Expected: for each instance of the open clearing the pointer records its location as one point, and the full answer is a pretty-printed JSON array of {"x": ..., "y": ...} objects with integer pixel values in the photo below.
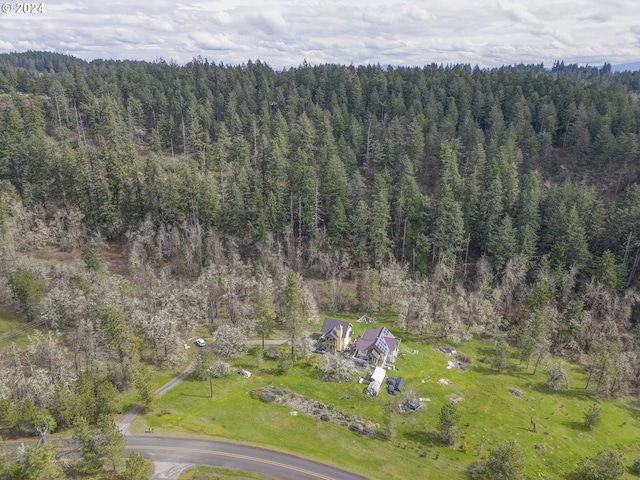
[{"x": 489, "y": 413}]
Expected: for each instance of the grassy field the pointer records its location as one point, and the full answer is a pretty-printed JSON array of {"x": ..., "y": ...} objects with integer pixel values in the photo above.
[
  {"x": 489, "y": 413},
  {"x": 13, "y": 328},
  {"x": 210, "y": 473}
]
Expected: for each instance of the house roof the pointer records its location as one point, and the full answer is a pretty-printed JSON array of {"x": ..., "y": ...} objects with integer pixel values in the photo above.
[
  {"x": 392, "y": 343},
  {"x": 380, "y": 338},
  {"x": 330, "y": 326},
  {"x": 364, "y": 344}
]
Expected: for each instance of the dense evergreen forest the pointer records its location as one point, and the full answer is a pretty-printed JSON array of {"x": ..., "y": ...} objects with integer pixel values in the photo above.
[
  {"x": 466, "y": 200},
  {"x": 421, "y": 165}
]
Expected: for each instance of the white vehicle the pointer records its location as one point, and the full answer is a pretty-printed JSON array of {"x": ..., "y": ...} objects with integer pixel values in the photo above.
[{"x": 200, "y": 342}]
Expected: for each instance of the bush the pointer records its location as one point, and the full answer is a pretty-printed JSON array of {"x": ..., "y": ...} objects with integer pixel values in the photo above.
[
  {"x": 557, "y": 378},
  {"x": 285, "y": 362},
  {"x": 607, "y": 465},
  {"x": 636, "y": 466},
  {"x": 202, "y": 362},
  {"x": 273, "y": 353},
  {"x": 506, "y": 460},
  {"x": 476, "y": 470},
  {"x": 221, "y": 369},
  {"x": 592, "y": 416}
]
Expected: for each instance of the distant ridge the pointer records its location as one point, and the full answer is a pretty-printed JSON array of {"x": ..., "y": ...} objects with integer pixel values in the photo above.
[
  {"x": 53, "y": 62},
  {"x": 626, "y": 67}
]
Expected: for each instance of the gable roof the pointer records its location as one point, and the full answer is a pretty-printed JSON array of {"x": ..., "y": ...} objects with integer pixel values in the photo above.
[
  {"x": 330, "y": 326},
  {"x": 380, "y": 338}
]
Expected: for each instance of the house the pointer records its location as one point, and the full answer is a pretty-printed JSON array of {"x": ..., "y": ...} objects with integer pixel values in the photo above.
[
  {"x": 377, "y": 378},
  {"x": 378, "y": 346},
  {"x": 335, "y": 335}
]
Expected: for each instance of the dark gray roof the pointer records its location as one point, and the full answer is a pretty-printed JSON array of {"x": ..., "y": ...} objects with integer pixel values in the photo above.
[
  {"x": 331, "y": 324},
  {"x": 381, "y": 338}
]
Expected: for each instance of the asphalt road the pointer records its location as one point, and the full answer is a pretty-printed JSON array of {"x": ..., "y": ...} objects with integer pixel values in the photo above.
[{"x": 187, "y": 451}]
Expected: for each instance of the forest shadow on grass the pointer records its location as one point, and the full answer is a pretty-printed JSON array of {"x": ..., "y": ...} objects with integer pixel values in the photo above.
[
  {"x": 485, "y": 369},
  {"x": 424, "y": 438},
  {"x": 485, "y": 352},
  {"x": 575, "y": 425},
  {"x": 569, "y": 393}
]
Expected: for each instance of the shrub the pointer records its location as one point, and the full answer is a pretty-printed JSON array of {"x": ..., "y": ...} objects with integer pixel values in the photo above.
[
  {"x": 221, "y": 369},
  {"x": 285, "y": 362},
  {"x": 273, "y": 353},
  {"x": 592, "y": 416},
  {"x": 202, "y": 362},
  {"x": 506, "y": 460},
  {"x": 607, "y": 465},
  {"x": 557, "y": 378},
  {"x": 476, "y": 470}
]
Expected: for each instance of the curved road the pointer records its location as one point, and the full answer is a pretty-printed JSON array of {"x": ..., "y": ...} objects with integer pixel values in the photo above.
[
  {"x": 170, "y": 454},
  {"x": 184, "y": 452}
]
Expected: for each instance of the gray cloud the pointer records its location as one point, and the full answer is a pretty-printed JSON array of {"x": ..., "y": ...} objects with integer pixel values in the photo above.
[
  {"x": 596, "y": 17},
  {"x": 284, "y": 32}
]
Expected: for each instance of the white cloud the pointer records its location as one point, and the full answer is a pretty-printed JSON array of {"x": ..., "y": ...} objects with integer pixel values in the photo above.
[
  {"x": 518, "y": 13},
  {"x": 284, "y": 32},
  {"x": 210, "y": 41},
  {"x": 269, "y": 22}
]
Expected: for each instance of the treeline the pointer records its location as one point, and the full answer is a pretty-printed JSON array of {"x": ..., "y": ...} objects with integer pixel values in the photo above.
[{"x": 416, "y": 164}]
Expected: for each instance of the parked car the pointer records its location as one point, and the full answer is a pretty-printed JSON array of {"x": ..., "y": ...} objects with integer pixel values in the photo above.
[{"x": 200, "y": 342}]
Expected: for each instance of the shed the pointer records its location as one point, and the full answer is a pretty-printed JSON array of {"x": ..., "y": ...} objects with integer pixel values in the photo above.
[
  {"x": 377, "y": 378},
  {"x": 373, "y": 388},
  {"x": 378, "y": 375}
]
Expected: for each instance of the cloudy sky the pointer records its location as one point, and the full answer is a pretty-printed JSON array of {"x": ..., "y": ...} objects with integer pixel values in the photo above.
[{"x": 283, "y": 33}]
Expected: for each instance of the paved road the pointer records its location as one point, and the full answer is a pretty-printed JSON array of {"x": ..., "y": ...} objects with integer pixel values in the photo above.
[
  {"x": 174, "y": 381},
  {"x": 184, "y": 452}
]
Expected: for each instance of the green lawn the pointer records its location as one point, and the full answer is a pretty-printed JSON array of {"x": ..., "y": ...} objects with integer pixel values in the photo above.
[
  {"x": 13, "y": 328},
  {"x": 210, "y": 473},
  {"x": 489, "y": 413}
]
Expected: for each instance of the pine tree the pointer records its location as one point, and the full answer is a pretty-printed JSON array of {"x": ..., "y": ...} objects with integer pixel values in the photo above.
[
  {"x": 379, "y": 220},
  {"x": 136, "y": 468},
  {"x": 448, "y": 423},
  {"x": 110, "y": 441},
  {"x": 447, "y": 222},
  {"x": 293, "y": 315},
  {"x": 265, "y": 315},
  {"x": 501, "y": 242},
  {"x": 505, "y": 462}
]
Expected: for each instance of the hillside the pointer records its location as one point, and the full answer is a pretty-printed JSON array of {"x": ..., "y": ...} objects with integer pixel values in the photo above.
[{"x": 143, "y": 204}]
